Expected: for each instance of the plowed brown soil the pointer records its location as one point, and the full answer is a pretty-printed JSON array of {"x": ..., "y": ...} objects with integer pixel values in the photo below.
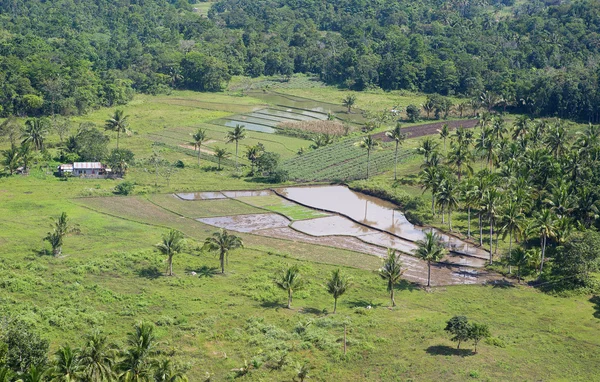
[{"x": 429, "y": 128}]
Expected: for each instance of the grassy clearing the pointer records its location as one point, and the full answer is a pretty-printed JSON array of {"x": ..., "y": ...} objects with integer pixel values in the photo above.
[{"x": 203, "y": 208}]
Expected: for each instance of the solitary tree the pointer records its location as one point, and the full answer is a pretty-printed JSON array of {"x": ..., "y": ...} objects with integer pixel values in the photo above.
[
  {"x": 398, "y": 136},
  {"x": 477, "y": 332},
  {"x": 220, "y": 154},
  {"x": 117, "y": 122},
  {"x": 391, "y": 272},
  {"x": 337, "y": 285},
  {"x": 458, "y": 327},
  {"x": 430, "y": 249},
  {"x": 222, "y": 242},
  {"x": 289, "y": 280},
  {"x": 199, "y": 138},
  {"x": 349, "y": 101},
  {"x": 172, "y": 244},
  {"x": 62, "y": 227},
  {"x": 368, "y": 143},
  {"x": 236, "y": 135},
  {"x": 520, "y": 258}
]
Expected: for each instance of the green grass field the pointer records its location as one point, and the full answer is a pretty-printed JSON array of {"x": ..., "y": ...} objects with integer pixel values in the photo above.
[{"x": 110, "y": 277}]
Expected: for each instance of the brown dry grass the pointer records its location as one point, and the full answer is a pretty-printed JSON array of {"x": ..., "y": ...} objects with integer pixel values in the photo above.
[{"x": 318, "y": 127}]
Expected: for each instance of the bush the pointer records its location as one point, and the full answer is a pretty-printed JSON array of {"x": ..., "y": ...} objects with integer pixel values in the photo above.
[
  {"x": 124, "y": 188},
  {"x": 179, "y": 164}
]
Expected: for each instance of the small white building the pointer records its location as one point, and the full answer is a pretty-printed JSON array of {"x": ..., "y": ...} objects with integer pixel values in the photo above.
[
  {"x": 65, "y": 169},
  {"x": 84, "y": 169}
]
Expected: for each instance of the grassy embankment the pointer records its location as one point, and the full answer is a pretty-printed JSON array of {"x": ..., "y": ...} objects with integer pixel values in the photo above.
[{"x": 110, "y": 277}]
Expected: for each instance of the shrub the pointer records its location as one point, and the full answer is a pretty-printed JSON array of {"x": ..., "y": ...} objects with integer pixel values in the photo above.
[{"x": 124, "y": 188}]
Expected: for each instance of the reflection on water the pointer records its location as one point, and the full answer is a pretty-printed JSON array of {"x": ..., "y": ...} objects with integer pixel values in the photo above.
[
  {"x": 200, "y": 195},
  {"x": 370, "y": 211},
  {"x": 251, "y": 126},
  {"x": 331, "y": 225}
]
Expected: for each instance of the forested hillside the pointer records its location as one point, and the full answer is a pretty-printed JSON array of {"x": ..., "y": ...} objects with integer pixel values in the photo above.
[{"x": 70, "y": 56}]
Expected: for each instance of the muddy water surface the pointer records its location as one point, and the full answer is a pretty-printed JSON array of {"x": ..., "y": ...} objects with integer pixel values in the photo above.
[{"x": 200, "y": 195}]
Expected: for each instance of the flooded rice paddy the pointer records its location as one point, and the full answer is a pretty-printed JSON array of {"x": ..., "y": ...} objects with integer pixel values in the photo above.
[{"x": 334, "y": 216}]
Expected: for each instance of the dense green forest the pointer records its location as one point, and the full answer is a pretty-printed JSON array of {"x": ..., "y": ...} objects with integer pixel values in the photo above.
[{"x": 538, "y": 57}]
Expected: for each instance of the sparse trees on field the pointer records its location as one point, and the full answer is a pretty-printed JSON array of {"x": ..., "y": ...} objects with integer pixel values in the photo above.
[
  {"x": 368, "y": 143},
  {"x": 391, "y": 272},
  {"x": 289, "y": 280},
  {"x": 349, "y": 101},
  {"x": 172, "y": 243},
  {"x": 543, "y": 224},
  {"x": 223, "y": 242},
  {"x": 199, "y": 138},
  {"x": 220, "y": 154},
  {"x": 236, "y": 135},
  {"x": 61, "y": 228},
  {"x": 118, "y": 122},
  {"x": 398, "y": 137},
  {"x": 337, "y": 284},
  {"x": 458, "y": 327}
]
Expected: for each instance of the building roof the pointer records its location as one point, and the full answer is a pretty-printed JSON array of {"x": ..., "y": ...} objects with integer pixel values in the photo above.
[
  {"x": 87, "y": 165},
  {"x": 66, "y": 167}
]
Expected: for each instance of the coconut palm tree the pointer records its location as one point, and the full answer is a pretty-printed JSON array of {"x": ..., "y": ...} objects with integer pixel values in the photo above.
[
  {"x": 165, "y": 372},
  {"x": 444, "y": 134},
  {"x": 117, "y": 122},
  {"x": 6, "y": 375},
  {"x": 430, "y": 179},
  {"x": 137, "y": 359},
  {"x": 236, "y": 135},
  {"x": 468, "y": 194},
  {"x": 289, "y": 280},
  {"x": 447, "y": 198},
  {"x": 67, "y": 365},
  {"x": 349, "y": 101},
  {"x": 544, "y": 224},
  {"x": 427, "y": 147},
  {"x": 368, "y": 143},
  {"x": 519, "y": 259},
  {"x": 172, "y": 244},
  {"x": 337, "y": 285},
  {"x": 520, "y": 127},
  {"x": 11, "y": 159},
  {"x": 199, "y": 138},
  {"x": 222, "y": 242},
  {"x": 35, "y": 132},
  {"x": 26, "y": 156},
  {"x": 220, "y": 154},
  {"x": 460, "y": 158},
  {"x": 512, "y": 221},
  {"x": 35, "y": 373},
  {"x": 391, "y": 272},
  {"x": 431, "y": 249},
  {"x": 398, "y": 137},
  {"x": 98, "y": 358},
  {"x": 491, "y": 203},
  {"x": 253, "y": 153},
  {"x": 61, "y": 228},
  {"x": 556, "y": 140}
]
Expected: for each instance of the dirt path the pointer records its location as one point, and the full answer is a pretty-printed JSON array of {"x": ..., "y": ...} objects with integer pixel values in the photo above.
[
  {"x": 202, "y": 149},
  {"x": 429, "y": 128}
]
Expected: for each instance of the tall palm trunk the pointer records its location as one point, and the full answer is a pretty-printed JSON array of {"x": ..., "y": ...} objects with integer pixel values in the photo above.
[
  {"x": 428, "y": 274},
  {"x": 222, "y": 259},
  {"x": 236, "y": 154},
  {"x": 480, "y": 230},
  {"x": 432, "y": 203},
  {"x": 289, "y": 305},
  {"x": 543, "y": 252},
  {"x": 509, "y": 252},
  {"x": 368, "y": 162},
  {"x": 334, "y": 305},
  {"x": 443, "y": 216},
  {"x": 469, "y": 222},
  {"x": 491, "y": 239},
  {"x": 199, "y": 147},
  {"x": 171, "y": 265},
  {"x": 118, "y": 133},
  {"x": 450, "y": 218},
  {"x": 392, "y": 297},
  {"x": 396, "y": 161}
]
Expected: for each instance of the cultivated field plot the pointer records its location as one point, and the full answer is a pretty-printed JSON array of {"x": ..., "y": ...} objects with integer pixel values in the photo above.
[{"x": 265, "y": 216}]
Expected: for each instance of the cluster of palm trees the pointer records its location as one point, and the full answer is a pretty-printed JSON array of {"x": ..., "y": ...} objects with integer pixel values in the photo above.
[
  {"x": 32, "y": 136},
  {"x": 536, "y": 180},
  {"x": 234, "y": 136},
  {"x": 100, "y": 360}
]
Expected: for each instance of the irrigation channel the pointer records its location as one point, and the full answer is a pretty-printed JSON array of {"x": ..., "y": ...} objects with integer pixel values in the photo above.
[{"x": 336, "y": 216}]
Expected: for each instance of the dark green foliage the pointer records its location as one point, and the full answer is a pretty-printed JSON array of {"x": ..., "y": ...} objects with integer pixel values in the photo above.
[
  {"x": 576, "y": 260},
  {"x": 124, "y": 188},
  {"x": 24, "y": 347},
  {"x": 413, "y": 112},
  {"x": 458, "y": 327},
  {"x": 89, "y": 143},
  {"x": 119, "y": 160}
]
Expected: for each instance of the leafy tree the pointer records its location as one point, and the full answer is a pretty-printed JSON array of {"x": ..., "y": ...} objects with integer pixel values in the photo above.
[
  {"x": 431, "y": 249},
  {"x": 204, "y": 73},
  {"x": 11, "y": 129},
  {"x": 119, "y": 160},
  {"x": 337, "y": 284},
  {"x": 398, "y": 137},
  {"x": 118, "y": 122},
  {"x": 368, "y": 143},
  {"x": 220, "y": 154},
  {"x": 544, "y": 224},
  {"x": 236, "y": 135},
  {"x": 89, "y": 143},
  {"x": 349, "y": 101},
  {"x": 172, "y": 243},
  {"x": 35, "y": 132},
  {"x": 253, "y": 153},
  {"x": 98, "y": 358},
  {"x": 61, "y": 228},
  {"x": 289, "y": 280},
  {"x": 199, "y": 137},
  {"x": 477, "y": 332},
  {"x": 24, "y": 347},
  {"x": 124, "y": 188},
  {"x": 458, "y": 327},
  {"x": 413, "y": 113},
  {"x": 576, "y": 260},
  {"x": 520, "y": 258},
  {"x": 35, "y": 373},
  {"x": 11, "y": 159},
  {"x": 223, "y": 242},
  {"x": 391, "y": 272}
]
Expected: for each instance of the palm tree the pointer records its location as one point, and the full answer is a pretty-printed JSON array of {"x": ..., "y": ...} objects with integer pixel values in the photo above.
[
  {"x": 137, "y": 359},
  {"x": 430, "y": 249},
  {"x": 556, "y": 140},
  {"x": 11, "y": 159},
  {"x": 35, "y": 131},
  {"x": 236, "y": 135},
  {"x": 520, "y": 127},
  {"x": 289, "y": 280},
  {"x": 117, "y": 122},
  {"x": 302, "y": 371},
  {"x": 337, "y": 285},
  {"x": 223, "y": 242},
  {"x": 368, "y": 143},
  {"x": 349, "y": 101},
  {"x": 98, "y": 358},
  {"x": 459, "y": 158},
  {"x": 220, "y": 154},
  {"x": 6, "y": 375},
  {"x": 519, "y": 259},
  {"x": 544, "y": 224},
  {"x": 444, "y": 134},
  {"x": 430, "y": 180},
  {"x": 468, "y": 193},
  {"x": 427, "y": 147},
  {"x": 398, "y": 136},
  {"x": 172, "y": 244},
  {"x": 62, "y": 227},
  {"x": 391, "y": 272},
  {"x": 165, "y": 372},
  {"x": 253, "y": 153},
  {"x": 489, "y": 100},
  {"x": 199, "y": 138},
  {"x": 447, "y": 198},
  {"x": 491, "y": 202},
  {"x": 26, "y": 156},
  {"x": 512, "y": 224},
  {"x": 67, "y": 365},
  {"x": 35, "y": 373}
]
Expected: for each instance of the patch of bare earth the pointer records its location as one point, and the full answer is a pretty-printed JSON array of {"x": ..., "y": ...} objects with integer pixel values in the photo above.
[{"x": 429, "y": 129}]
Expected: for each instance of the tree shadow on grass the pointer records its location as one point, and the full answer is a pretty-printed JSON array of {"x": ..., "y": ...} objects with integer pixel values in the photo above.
[
  {"x": 501, "y": 284},
  {"x": 364, "y": 304},
  {"x": 42, "y": 252},
  {"x": 596, "y": 301},
  {"x": 272, "y": 304},
  {"x": 448, "y": 350},
  {"x": 407, "y": 285},
  {"x": 309, "y": 310},
  {"x": 150, "y": 273},
  {"x": 205, "y": 271}
]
